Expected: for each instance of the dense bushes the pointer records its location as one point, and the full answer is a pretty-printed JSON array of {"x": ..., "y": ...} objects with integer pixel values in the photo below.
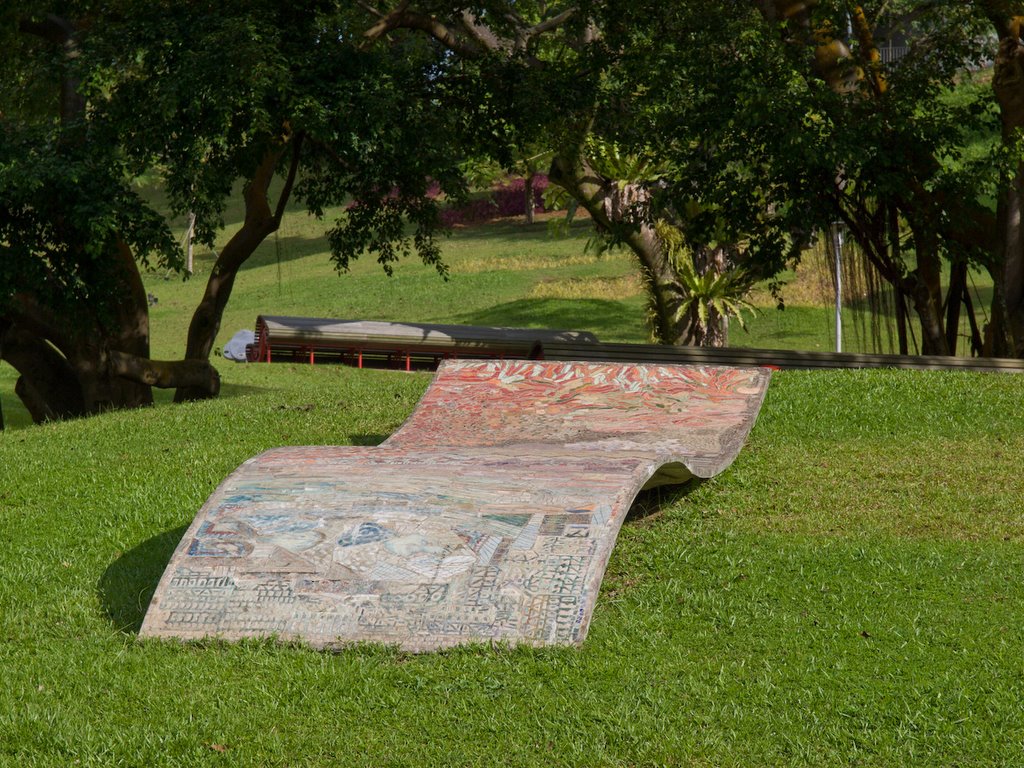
[{"x": 503, "y": 200}]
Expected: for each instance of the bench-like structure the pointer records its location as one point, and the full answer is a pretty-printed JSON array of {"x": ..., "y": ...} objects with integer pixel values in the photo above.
[
  {"x": 365, "y": 342},
  {"x": 424, "y": 345},
  {"x": 489, "y": 516},
  {"x": 782, "y": 359}
]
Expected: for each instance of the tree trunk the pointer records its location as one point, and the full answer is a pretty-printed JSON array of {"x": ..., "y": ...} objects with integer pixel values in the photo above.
[
  {"x": 93, "y": 380},
  {"x": 1004, "y": 335},
  {"x": 1008, "y": 85},
  {"x": 130, "y": 335},
  {"x": 715, "y": 333},
  {"x": 48, "y": 385},
  {"x": 259, "y": 223},
  {"x": 977, "y": 342},
  {"x": 954, "y": 301},
  {"x": 1010, "y": 278},
  {"x": 86, "y": 340},
  {"x": 609, "y": 204},
  {"x": 95, "y": 359},
  {"x": 166, "y": 374},
  {"x": 889, "y": 243},
  {"x": 61, "y": 32},
  {"x": 926, "y": 282},
  {"x": 901, "y": 322},
  {"x": 529, "y": 197},
  {"x": 929, "y": 312}
]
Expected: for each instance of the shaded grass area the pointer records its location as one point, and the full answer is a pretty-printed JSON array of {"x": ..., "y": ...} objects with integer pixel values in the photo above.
[{"x": 848, "y": 592}]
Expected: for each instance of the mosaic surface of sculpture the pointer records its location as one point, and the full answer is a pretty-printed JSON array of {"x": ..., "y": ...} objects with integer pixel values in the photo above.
[{"x": 490, "y": 515}]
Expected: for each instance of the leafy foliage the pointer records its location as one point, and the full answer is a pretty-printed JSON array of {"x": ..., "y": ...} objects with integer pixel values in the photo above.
[
  {"x": 720, "y": 292},
  {"x": 252, "y": 78},
  {"x": 63, "y": 206},
  {"x": 709, "y": 295},
  {"x": 219, "y": 98}
]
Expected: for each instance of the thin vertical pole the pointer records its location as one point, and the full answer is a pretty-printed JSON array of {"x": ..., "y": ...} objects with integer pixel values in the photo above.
[
  {"x": 838, "y": 244},
  {"x": 2, "y": 332},
  {"x": 189, "y": 236}
]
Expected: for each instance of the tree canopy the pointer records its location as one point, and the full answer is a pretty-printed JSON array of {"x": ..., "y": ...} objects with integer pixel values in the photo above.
[
  {"x": 208, "y": 95},
  {"x": 707, "y": 138},
  {"x": 746, "y": 126}
]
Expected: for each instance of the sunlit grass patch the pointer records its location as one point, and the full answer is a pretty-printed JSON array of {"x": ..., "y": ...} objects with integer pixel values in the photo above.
[
  {"x": 622, "y": 287},
  {"x": 518, "y": 262}
]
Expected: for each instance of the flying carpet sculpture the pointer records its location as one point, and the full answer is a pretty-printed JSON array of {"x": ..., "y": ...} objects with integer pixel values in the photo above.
[{"x": 490, "y": 515}]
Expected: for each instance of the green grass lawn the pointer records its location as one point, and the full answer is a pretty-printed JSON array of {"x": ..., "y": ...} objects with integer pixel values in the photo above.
[{"x": 848, "y": 592}]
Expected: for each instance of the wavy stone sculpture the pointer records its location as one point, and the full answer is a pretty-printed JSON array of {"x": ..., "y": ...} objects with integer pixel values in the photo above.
[{"x": 490, "y": 515}]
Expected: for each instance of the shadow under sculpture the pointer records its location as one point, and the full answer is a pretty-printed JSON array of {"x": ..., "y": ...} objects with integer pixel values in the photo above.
[{"x": 489, "y": 516}]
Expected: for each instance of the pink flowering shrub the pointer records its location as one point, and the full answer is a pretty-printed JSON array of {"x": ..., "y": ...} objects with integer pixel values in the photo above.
[{"x": 505, "y": 199}]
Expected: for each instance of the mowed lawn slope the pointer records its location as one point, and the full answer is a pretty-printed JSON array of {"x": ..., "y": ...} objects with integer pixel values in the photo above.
[{"x": 849, "y": 592}]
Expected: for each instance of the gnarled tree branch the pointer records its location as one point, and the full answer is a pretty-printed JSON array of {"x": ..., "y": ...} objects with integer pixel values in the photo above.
[
  {"x": 166, "y": 374},
  {"x": 259, "y": 223},
  {"x": 48, "y": 385},
  {"x": 29, "y": 314},
  {"x": 476, "y": 39},
  {"x": 401, "y": 18}
]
